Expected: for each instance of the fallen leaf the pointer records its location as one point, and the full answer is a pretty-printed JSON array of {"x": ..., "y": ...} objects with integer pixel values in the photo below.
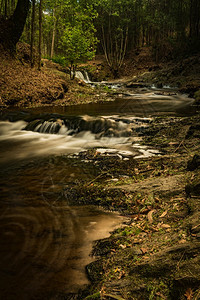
[
  {"x": 195, "y": 227},
  {"x": 164, "y": 214},
  {"x": 149, "y": 216},
  {"x": 144, "y": 250},
  {"x": 136, "y": 171},
  {"x": 182, "y": 241},
  {"x": 145, "y": 257},
  {"x": 165, "y": 226},
  {"x": 173, "y": 143},
  {"x": 117, "y": 270},
  {"x": 122, "y": 246},
  {"x": 189, "y": 294}
]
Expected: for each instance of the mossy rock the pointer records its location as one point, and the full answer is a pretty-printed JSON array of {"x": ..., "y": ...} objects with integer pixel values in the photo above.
[
  {"x": 95, "y": 271},
  {"x": 197, "y": 97}
]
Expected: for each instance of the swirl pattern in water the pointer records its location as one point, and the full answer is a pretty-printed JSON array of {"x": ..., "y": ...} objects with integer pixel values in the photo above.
[{"x": 44, "y": 243}]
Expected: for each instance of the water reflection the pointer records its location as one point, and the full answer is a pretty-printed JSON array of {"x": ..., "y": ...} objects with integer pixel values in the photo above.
[
  {"x": 145, "y": 103},
  {"x": 44, "y": 242}
]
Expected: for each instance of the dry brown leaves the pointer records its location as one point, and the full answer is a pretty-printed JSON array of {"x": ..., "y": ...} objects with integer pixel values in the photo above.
[{"x": 19, "y": 82}]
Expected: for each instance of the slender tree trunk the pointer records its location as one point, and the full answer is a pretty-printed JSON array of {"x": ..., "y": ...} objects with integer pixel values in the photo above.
[
  {"x": 1, "y": 6},
  {"x": 194, "y": 18},
  {"x": 54, "y": 33},
  {"x": 32, "y": 32},
  {"x": 5, "y": 9},
  {"x": 12, "y": 6},
  {"x": 40, "y": 36}
]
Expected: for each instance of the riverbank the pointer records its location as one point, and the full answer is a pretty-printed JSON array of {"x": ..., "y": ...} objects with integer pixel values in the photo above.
[
  {"x": 155, "y": 256},
  {"x": 23, "y": 86},
  {"x": 140, "y": 67}
]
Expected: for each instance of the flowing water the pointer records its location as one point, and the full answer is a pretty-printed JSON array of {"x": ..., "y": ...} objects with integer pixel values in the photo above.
[{"x": 45, "y": 242}]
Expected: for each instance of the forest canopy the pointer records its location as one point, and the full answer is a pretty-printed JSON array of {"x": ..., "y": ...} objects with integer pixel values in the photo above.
[{"x": 71, "y": 28}]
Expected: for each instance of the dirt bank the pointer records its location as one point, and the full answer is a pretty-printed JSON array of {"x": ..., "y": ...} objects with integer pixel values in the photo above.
[{"x": 23, "y": 86}]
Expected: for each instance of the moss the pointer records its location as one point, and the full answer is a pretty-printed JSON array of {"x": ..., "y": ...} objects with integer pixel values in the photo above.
[
  {"x": 157, "y": 290},
  {"x": 197, "y": 97},
  {"x": 94, "y": 296}
]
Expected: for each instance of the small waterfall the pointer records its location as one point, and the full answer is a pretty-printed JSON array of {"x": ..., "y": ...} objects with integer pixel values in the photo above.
[
  {"x": 60, "y": 134},
  {"x": 86, "y": 76},
  {"x": 52, "y": 126},
  {"x": 100, "y": 127},
  {"x": 83, "y": 76}
]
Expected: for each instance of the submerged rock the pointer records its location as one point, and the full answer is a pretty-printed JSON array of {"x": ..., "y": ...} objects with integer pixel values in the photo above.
[{"x": 194, "y": 163}]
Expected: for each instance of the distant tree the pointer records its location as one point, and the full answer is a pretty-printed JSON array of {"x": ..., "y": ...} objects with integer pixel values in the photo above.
[
  {"x": 53, "y": 34},
  {"x": 32, "y": 32},
  {"x": 115, "y": 18},
  {"x": 78, "y": 46},
  {"x": 194, "y": 18},
  {"x": 40, "y": 35},
  {"x": 77, "y": 40},
  {"x": 11, "y": 28}
]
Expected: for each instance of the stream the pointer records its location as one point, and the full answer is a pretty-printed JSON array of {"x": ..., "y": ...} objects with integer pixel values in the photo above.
[{"x": 45, "y": 243}]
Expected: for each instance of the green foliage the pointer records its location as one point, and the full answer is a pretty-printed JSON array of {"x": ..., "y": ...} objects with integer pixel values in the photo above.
[
  {"x": 71, "y": 28},
  {"x": 158, "y": 290},
  {"x": 60, "y": 60},
  {"x": 94, "y": 296},
  {"x": 77, "y": 44},
  {"x": 75, "y": 40}
]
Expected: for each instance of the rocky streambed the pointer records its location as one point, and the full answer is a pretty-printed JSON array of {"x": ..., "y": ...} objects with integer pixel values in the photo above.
[{"x": 156, "y": 255}]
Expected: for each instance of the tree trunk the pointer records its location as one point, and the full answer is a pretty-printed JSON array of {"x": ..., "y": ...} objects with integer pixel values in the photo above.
[
  {"x": 32, "y": 32},
  {"x": 5, "y": 9},
  {"x": 194, "y": 18},
  {"x": 40, "y": 36},
  {"x": 54, "y": 33},
  {"x": 12, "y": 28}
]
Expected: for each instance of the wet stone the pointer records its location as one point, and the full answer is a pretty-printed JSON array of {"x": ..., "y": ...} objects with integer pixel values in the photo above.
[{"x": 194, "y": 163}]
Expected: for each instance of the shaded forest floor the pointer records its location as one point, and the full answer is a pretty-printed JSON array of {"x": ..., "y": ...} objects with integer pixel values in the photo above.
[{"x": 23, "y": 86}]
